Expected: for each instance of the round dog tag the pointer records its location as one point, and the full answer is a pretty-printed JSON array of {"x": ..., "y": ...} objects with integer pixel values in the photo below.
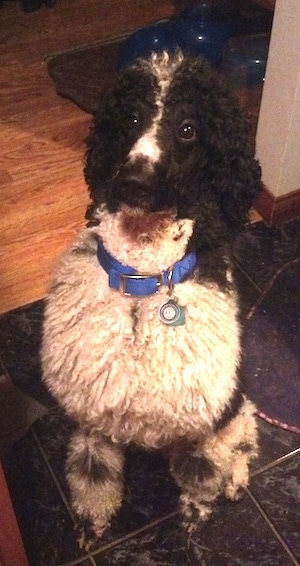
[{"x": 169, "y": 312}]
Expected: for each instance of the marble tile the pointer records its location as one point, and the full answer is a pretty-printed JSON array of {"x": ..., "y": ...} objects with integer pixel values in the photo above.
[
  {"x": 262, "y": 250},
  {"x": 237, "y": 535},
  {"x": 240, "y": 535},
  {"x": 142, "y": 533},
  {"x": 149, "y": 494},
  {"x": 53, "y": 432},
  {"x": 278, "y": 493},
  {"x": 274, "y": 443},
  {"x": 247, "y": 289},
  {"x": 20, "y": 339},
  {"x": 46, "y": 526},
  {"x": 229, "y": 538},
  {"x": 272, "y": 349},
  {"x": 84, "y": 562}
]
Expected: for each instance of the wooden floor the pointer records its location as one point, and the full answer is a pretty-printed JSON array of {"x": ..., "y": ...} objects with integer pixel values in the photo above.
[{"x": 42, "y": 193}]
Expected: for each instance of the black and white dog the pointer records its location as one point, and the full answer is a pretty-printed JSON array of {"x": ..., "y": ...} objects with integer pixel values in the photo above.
[{"x": 142, "y": 334}]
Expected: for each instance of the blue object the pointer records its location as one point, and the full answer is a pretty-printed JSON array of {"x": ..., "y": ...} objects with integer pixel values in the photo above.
[
  {"x": 128, "y": 281},
  {"x": 155, "y": 38},
  {"x": 245, "y": 60},
  {"x": 200, "y": 30},
  {"x": 200, "y": 33}
]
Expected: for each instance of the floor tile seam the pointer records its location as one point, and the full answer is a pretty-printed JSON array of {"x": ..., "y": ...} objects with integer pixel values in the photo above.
[
  {"x": 274, "y": 463},
  {"x": 53, "y": 476},
  {"x": 86, "y": 556},
  {"x": 78, "y": 561},
  {"x": 249, "y": 277},
  {"x": 136, "y": 532},
  {"x": 89, "y": 555},
  {"x": 272, "y": 527}
]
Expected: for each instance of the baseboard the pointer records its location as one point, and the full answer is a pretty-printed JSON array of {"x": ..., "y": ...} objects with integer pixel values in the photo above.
[{"x": 277, "y": 210}]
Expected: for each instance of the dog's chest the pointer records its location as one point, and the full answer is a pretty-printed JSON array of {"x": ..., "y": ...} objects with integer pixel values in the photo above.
[
  {"x": 144, "y": 371},
  {"x": 113, "y": 363}
]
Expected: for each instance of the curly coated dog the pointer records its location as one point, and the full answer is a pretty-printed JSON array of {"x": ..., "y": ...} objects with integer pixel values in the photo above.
[{"x": 142, "y": 330}]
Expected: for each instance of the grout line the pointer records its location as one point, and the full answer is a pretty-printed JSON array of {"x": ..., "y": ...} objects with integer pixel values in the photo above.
[
  {"x": 87, "y": 555},
  {"x": 135, "y": 533},
  {"x": 90, "y": 554},
  {"x": 53, "y": 476},
  {"x": 246, "y": 274},
  {"x": 79, "y": 561},
  {"x": 275, "y": 463},
  {"x": 273, "y": 528}
]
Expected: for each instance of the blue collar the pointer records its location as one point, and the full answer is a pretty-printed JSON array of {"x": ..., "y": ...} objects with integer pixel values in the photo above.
[{"x": 129, "y": 282}]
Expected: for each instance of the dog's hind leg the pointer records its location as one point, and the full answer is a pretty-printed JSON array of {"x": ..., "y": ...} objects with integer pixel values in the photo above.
[
  {"x": 215, "y": 465},
  {"x": 94, "y": 471}
]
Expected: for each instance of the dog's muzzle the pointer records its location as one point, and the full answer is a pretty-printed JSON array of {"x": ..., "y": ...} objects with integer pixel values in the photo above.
[{"x": 136, "y": 183}]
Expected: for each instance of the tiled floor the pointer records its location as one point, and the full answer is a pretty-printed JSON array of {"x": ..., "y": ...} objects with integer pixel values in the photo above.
[{"x": 262, "y": 529}]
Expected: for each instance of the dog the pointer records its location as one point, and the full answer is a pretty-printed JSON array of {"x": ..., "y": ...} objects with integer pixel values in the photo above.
[{"x": 142, "y": 332}]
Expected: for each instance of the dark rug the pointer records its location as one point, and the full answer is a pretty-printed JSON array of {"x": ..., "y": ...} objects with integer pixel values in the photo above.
[
  {"x": 81, "y": 75},
  {"x": 272, "y": 350}
]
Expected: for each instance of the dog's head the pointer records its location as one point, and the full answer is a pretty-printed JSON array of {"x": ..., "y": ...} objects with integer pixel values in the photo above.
[{"x": 170, "y": 135}]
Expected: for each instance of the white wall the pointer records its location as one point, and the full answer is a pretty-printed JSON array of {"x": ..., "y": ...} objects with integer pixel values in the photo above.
[{"x": 278, "y": 132}]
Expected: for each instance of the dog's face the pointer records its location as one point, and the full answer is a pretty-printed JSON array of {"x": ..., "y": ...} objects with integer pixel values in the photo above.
[{"x": 169, "y": 135}]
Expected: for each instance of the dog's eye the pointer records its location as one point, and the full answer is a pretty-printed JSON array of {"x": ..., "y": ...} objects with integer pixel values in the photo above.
[
  {"x": 134, "y": 120},
  {"x": 187, "y": 131},
  {"x": 131, "y": 123}
]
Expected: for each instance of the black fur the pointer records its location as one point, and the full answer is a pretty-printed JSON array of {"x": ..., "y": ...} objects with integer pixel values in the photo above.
[
  {"x": 231, "y": 411},
  {"x": 207, "y": 170},
  {"x": 90, "y": 467},
  {"x": 188, "y": 467}
]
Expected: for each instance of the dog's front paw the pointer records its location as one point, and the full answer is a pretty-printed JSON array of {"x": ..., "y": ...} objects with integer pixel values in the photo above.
[
  {"x": 236, "y": 486},
  {"x": 201, "y": 484},
  {"x": 89, "y": 532},
  {"x": 195, "y": 513},
  {"x": 234, "y": 492}
]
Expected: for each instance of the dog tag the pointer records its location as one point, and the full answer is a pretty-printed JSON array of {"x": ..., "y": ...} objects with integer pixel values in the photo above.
[{"x": 172, "y": 314}]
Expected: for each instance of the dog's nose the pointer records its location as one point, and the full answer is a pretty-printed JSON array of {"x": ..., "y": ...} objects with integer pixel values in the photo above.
[
  {"x": 135, "y": 176},
  {"x": 134, "y": 182},
  {"x": 137, "y": 184}
]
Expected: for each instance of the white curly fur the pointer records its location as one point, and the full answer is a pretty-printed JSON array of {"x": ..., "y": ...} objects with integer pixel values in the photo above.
[{"x": 172, "y": 380}]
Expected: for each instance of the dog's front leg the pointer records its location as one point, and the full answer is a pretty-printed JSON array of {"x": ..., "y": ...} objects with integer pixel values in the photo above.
[
  {"x": 94, "y": 471},
  {"x": 218, "y": 463},
  {"x": 200, "y": 483}
]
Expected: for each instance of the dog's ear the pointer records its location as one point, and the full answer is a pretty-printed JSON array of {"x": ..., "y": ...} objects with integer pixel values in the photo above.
[
  {"x": 240, "y": 188},
  {"x": 236, "y": 173},
  {"x": 97, "y": 162}
]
